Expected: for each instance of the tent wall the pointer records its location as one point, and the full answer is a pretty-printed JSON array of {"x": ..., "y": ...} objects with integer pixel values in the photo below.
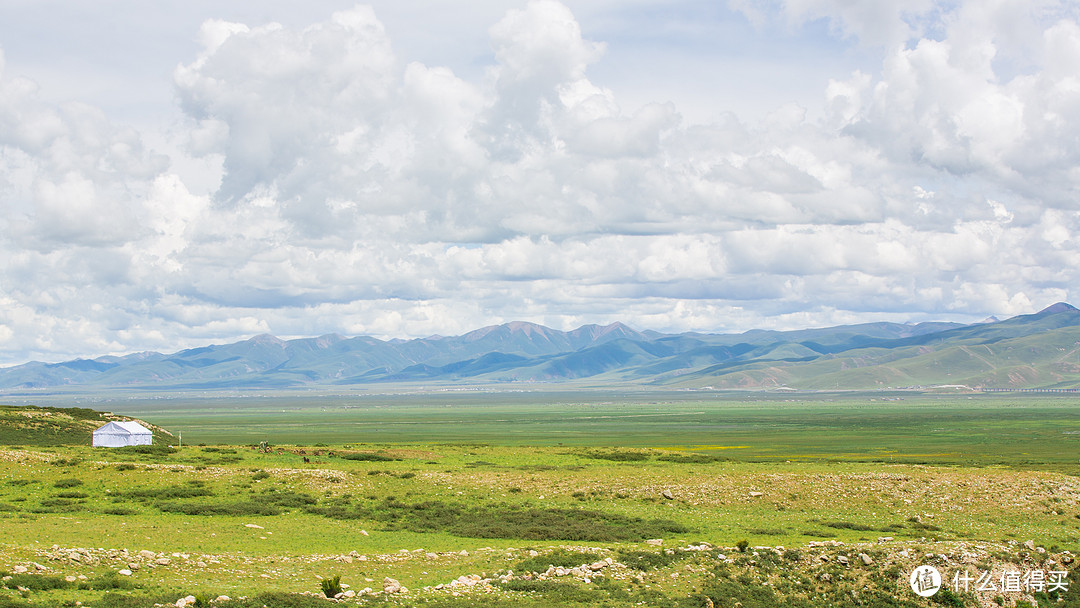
[{"x": 113, "y": 435}]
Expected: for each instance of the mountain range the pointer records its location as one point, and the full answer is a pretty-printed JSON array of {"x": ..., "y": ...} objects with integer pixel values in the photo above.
[{"x": 1040, "y": 350}]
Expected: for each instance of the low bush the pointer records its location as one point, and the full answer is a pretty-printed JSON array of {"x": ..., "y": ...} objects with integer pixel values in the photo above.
[
  {"x": 331, "y": 586},
  {"x": 649, "y": 560},
  {"x": 693, "y": 458},
  {"x": 554, "y": 592},
  {"x": 367, "y": 457},
  {"x": 503, "y": 521},
  {"x": 67, "y": 483},
  {"x": 617, "y": 456},
  {"x": 167, "y": 493},
  {"x": 37, "y": 582}
]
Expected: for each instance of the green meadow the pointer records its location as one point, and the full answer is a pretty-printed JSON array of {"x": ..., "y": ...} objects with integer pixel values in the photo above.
[
  {"x": 1020, "y": 429},
  {"x": 466, "y": 498}
]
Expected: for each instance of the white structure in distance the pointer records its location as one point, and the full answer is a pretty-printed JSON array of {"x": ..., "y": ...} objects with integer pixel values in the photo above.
[{"x": 120, "y": 434}]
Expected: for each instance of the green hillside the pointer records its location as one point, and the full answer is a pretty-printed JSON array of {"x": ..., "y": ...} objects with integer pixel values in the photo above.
[
  {"x": 1047, "y": 358},
  {"x": 31, "y": 425}
]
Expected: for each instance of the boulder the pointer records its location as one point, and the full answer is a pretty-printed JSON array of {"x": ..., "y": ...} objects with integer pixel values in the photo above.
[
  {"x": 391, "y": 586},
  {"x": 866, "y": 559}
]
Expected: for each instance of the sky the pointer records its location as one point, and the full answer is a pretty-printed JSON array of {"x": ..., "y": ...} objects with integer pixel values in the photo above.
[{"x": 179, "y": 173}]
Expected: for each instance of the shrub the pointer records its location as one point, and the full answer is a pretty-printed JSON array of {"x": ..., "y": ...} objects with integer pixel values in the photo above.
[
  {"x": 167, "y": 493},
  {"x": 504, "y": 521},
  {"x": 38, "y": 582},
  {"x": 67, "y": 483},
  {"x": 331, "y": 586},
  {"x": 617, "y": 456},
  {"x": 648, "y": 560},
  {"x": 693, "y": 458},
  {"x": 742, "y": 545},
  {"x": 367, "y": 457},
  {"x": 108, "y": 581},
  {"x": 847, "y": 525}
]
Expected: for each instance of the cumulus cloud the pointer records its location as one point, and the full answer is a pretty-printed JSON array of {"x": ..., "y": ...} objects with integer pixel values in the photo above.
[{"x": 363, "y": 192}]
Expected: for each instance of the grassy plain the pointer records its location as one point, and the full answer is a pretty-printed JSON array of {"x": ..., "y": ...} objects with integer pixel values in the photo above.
[
  {"x": 517, "y": 481},
  {"x": 1018, "y": 429}
]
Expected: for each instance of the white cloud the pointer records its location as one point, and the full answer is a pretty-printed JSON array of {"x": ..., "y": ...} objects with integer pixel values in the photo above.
[{"x": 364, "y": 191}]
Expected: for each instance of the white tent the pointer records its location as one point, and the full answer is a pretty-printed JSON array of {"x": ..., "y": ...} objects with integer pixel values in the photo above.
[{"x": 119, "y": 434}]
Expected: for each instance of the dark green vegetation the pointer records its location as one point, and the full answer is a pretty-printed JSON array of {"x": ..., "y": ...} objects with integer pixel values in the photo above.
[
  {"x": 504, "y": 521},
  {"x": 1028, "y": 351}
]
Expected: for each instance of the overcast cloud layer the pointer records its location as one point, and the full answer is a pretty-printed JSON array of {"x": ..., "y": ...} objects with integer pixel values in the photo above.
[{"x": 314, "y": 175}]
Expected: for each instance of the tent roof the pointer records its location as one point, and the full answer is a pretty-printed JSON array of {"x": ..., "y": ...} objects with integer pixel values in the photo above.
[{"x": 132, "y": 428}]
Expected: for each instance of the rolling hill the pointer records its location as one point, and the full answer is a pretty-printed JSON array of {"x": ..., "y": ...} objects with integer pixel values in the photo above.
[{"x": 1040, "y": 350}]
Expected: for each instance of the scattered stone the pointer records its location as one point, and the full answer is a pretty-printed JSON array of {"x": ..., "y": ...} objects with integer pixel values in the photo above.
[
  {"x": 391, "y": 586},
  {"x": 39, "y": 567},
  {"x": 756, "y": 494},
  {"x": 124, "y": 572},
  {"x": 256, "y": 526},
  {"x": 162, "y": 561},
  {"x": 349, "y": 593},
  {"x": 1029, "y": 545},
  {"x": 364, "y": 532},
  {"x": 884, "y": 539},
  {"x": 823, "y": 557},
  {"x": 656, "y": 542},
  {"x": 19, "y": 569},
  {"x": 71, "y": 578},
  {"x": 75, "y": 556},
  {"x": 147, "y": 554},
  {"x": 222, "y": 598},
  {"x": 668, "y": 495},
  {"x": 842, "y": 560},
  {"x": 185, "y": 601},
  {"x": 866, "y": 559}
]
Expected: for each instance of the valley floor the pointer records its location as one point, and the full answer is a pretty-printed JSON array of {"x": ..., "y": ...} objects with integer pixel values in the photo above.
[{"x": 476, "y": 525}]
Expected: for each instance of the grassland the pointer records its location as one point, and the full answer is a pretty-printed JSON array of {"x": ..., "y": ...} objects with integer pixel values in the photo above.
[{"x": 797, "y": 481}]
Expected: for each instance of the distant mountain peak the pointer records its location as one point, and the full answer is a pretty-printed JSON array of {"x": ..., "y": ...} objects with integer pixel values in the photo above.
[
  {"x": 990, "y": 319},
  {"x": 266, "y": 339},
  {"x": 1059, "y": 307}
]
